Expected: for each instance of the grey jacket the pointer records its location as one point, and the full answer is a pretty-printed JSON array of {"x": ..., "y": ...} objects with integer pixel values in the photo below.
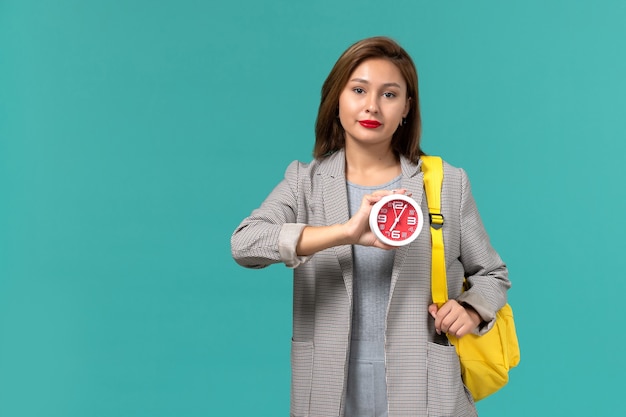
[{"x": 423, "y": 377}]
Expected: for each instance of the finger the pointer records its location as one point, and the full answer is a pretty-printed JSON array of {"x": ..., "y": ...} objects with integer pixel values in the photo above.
[
  {"x": 432, "y": 309},
  {"x": 448, "y": 322},
  {"x": 462, "y": 330},
  {"x": 372, "y": 198},
  {"x": 369, "y": 200},
  {"x": 389, "y": 192},
  {"x": 463, "y": 325},
  {"x": 382, "y": 245},
  {"x": 440, "y": 314},
  {"x": 403, "y": 191},
  {"x": 456, "y": 328},
  {"x": 439, "y": 319}
]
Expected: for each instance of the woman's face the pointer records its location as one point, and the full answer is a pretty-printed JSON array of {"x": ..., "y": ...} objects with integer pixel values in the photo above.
[{"x": 373, "y": 103}]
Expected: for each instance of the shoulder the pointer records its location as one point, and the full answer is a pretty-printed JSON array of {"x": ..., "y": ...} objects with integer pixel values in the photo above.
[
  {"x": 456, "y": 185},
  {"x": 452, "y": 172},
  {"x": 298, "y": 170},
  {"x": 332, "y": 165}
]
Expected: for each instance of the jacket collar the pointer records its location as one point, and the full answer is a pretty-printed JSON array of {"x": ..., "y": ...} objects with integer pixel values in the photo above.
[{"x": 334, "y": 165}]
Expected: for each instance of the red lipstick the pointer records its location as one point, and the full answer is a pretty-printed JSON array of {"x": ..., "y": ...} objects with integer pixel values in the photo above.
[{"x": 370, "y": 124}]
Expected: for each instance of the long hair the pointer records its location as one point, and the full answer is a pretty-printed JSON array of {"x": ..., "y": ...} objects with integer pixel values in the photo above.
[{"x": 329, "y": 134}]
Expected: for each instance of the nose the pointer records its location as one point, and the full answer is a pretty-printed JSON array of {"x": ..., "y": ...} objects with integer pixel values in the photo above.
[{"x": 372, "y": 105}]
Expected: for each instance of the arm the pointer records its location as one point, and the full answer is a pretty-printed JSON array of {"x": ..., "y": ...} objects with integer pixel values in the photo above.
[
  {"x": 355, "y": 232},
  {"x": 263, "y": 238},
  {"x": 273, "y": 233},
  {"x": 486, "y": 273},
  {"x": 487, "y": 276}
]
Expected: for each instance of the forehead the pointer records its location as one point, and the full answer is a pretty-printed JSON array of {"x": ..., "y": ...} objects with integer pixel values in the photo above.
[{"x": 378, "y": 71}]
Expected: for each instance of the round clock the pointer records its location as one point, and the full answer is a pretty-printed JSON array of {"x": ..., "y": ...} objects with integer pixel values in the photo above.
[{"x": 396, "y": 220}]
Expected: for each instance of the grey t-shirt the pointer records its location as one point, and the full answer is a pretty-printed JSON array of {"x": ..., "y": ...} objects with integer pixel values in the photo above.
[{"x": 366, "y": 394}]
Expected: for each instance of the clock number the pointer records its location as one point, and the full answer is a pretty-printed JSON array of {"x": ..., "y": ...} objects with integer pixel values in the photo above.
[
  {"x": 382, "y": 218},
  {"x": 398, "y": 204},
  {"x": 411, "y": 221},
  {"x": 395, "y": 234}
]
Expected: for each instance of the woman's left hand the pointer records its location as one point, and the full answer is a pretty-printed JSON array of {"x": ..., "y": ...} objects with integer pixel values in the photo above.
[{"x": 455, "y": 319}]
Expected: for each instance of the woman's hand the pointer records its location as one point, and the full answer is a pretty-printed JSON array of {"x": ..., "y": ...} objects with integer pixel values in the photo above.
[
  {"x": 455, "y": 319},
  {"x": 358, "y": 227}
]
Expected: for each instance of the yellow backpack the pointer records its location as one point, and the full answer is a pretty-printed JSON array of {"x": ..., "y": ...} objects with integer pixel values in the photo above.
[{"x": 485, "y": 360}]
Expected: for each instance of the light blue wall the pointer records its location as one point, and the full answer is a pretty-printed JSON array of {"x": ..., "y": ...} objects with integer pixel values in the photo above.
[{"x": 124, "y": 126}]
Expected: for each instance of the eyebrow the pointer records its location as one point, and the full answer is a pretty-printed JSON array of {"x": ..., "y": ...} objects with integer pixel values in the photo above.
[{"x": 361, "y": 80}]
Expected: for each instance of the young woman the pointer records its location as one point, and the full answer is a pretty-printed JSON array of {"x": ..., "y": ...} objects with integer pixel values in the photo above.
[{"x": 367, "y": 339}]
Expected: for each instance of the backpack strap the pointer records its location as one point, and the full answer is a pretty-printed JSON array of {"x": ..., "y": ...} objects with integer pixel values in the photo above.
[{"x": 432, "y": 167}]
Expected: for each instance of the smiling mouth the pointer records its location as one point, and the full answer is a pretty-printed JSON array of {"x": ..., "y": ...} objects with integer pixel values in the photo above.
[{"x": 370, "y": 124}]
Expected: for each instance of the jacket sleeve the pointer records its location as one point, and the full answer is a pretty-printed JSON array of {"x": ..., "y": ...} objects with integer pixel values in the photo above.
[
  {"x": 485, "y": 272},
  {"x": 271, "y": 232}
]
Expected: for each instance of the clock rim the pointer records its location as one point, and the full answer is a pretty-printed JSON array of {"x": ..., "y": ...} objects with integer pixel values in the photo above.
[{"x": 374, "y": 223}]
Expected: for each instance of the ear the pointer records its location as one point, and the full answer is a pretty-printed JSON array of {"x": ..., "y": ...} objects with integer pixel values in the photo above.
[{"x": 407, "y": 107}]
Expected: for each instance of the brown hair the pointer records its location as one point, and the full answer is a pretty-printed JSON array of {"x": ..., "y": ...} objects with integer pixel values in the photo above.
[{"x": 329, "y": 134}]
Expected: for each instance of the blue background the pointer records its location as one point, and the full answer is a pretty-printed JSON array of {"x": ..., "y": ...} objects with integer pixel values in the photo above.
[{"x": 135, "y": 135}]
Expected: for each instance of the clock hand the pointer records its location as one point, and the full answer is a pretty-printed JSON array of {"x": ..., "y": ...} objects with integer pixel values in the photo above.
[{"x": 398, "y": 218}]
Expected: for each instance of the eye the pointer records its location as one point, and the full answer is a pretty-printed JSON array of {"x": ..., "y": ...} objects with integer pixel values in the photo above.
[
  {"x": 389, "y": 94},
  {"x": 358, "y": 90}
]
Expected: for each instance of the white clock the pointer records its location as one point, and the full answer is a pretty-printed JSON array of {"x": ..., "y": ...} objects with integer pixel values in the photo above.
[{"x": 396, "y": 220}]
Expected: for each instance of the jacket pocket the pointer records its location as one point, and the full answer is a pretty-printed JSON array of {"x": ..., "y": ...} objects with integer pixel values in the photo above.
[
  {"x": 447, "y": 396},
  {"x": 301, "y": 377}
]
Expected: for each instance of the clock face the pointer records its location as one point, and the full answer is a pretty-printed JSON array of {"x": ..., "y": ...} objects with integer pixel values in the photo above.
[{"x": 396, "y": 220}]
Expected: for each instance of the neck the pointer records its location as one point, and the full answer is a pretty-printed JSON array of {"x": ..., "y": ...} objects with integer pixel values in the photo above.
[{"x": 371, "y": 166}]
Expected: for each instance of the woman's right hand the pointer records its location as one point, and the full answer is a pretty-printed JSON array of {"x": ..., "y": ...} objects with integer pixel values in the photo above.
[{"x": 358, "y": 227}]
